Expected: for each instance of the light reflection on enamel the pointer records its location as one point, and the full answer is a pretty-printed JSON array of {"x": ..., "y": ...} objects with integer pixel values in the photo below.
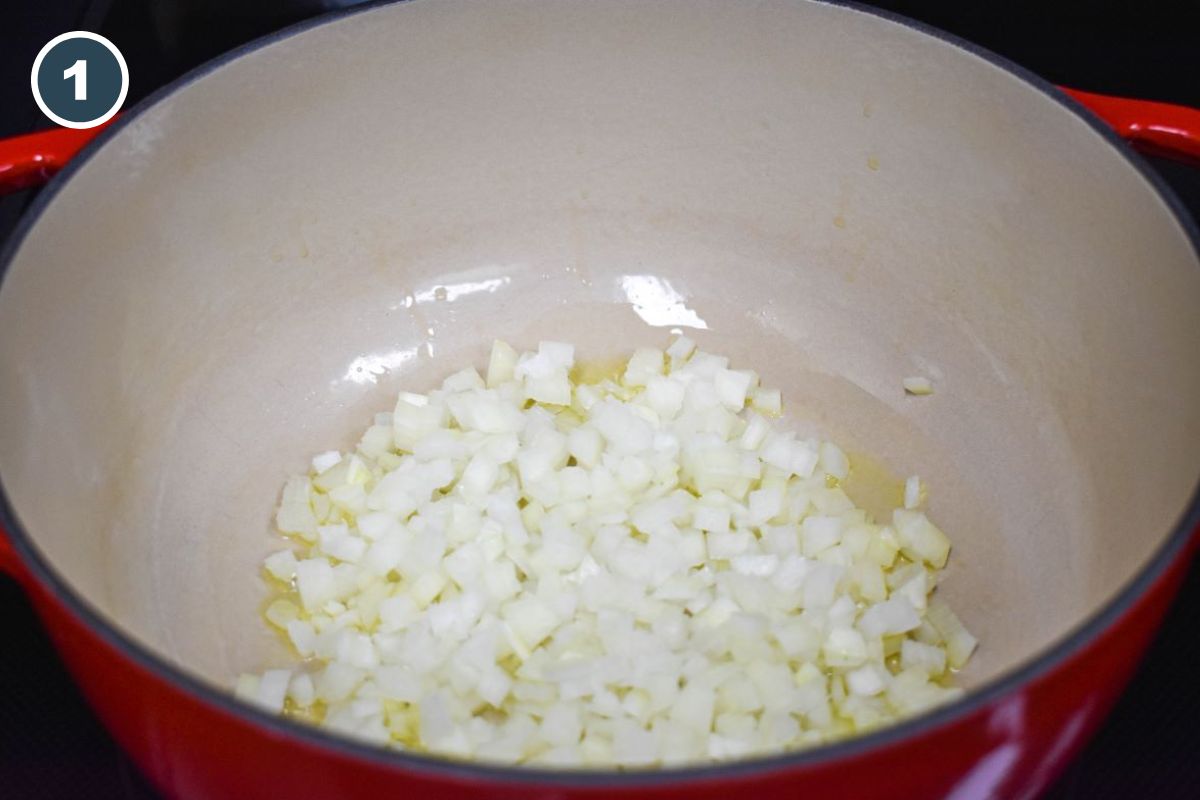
[
  {"x": 368, "y": 368},
  {"x": 658, "y": 303},
  {"x": 448, "y": 293}
]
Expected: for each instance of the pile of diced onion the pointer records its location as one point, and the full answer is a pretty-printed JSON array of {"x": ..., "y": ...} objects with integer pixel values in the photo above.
[{"x": 646, "y": 570}]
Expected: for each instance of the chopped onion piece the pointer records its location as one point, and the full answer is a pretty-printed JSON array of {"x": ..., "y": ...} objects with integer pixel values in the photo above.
[
  {"x": 918, "y": 385},
  {"x": 325, "y": 460},
  {"x": 912, "y": 492}
]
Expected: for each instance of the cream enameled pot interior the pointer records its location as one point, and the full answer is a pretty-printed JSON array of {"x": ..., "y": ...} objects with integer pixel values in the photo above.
[{"x": 255, "y": 264}]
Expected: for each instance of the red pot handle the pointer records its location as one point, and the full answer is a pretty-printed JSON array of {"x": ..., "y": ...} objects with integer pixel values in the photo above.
[
  {"x": 32, "y": 159},
  {"x": 1158, "y": 129}
]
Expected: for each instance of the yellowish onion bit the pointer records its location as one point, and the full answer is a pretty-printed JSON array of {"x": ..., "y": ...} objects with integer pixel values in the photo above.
[
  {"x": 918, "y": 385},
  {"x": 644, "y": 570}
]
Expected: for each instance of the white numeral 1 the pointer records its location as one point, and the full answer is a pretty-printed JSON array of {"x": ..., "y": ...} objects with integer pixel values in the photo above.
[{"x": 78, "y": 71}]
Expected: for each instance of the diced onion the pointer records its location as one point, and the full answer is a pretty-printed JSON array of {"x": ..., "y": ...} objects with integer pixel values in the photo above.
[
  {"x": 912, "y": 492},
  {"x": 918, "y": 385},
  {"x": 646, "y": 570}
]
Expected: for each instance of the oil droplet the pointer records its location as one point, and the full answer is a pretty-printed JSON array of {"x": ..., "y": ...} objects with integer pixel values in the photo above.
[
  {"x": 598, "y": 370},
  {"x": 872, "y": 162},
  {"x": 839, "y": 221},
  {"x": 872, "y": 486},
  {"x": 313, "y": 714},
  {"x": 866, "y": 109}
]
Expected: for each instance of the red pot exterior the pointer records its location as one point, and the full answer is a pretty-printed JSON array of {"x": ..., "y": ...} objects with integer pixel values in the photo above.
[{"x": 1013, "y": 746}]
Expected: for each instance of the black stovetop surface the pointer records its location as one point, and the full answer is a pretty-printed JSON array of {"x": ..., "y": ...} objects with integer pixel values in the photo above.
[{"x": 51, "y": 746}]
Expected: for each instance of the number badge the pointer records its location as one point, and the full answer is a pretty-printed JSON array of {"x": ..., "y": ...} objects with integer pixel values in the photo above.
[{"x": 80, "y": 79}]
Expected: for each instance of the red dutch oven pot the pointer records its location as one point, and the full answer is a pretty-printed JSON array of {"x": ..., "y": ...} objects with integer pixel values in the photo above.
[{"x": 240, "y": 269}]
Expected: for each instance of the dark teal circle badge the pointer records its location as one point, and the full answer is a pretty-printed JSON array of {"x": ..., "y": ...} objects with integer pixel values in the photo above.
[{"x": 80, "y": 79}]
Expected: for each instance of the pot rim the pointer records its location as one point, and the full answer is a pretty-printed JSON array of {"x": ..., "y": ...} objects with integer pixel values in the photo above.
[{"x": 1071, "y": 644}]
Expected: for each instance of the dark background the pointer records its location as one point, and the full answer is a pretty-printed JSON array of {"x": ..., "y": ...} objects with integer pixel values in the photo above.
[{"x": 50, "y": 744}]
